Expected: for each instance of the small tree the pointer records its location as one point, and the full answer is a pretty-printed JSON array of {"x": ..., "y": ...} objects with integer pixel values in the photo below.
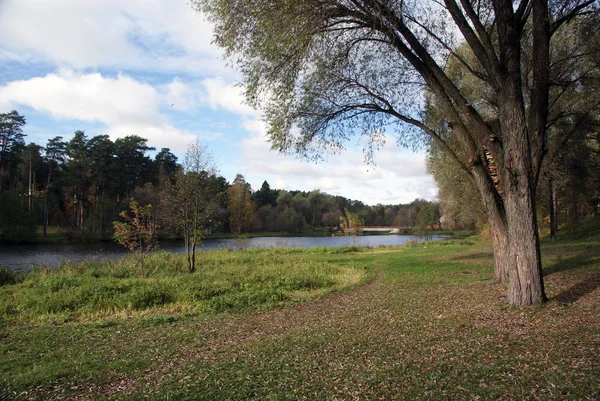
[
  {"x": 351, "y": 225},
  {"x": 137, "y": 232},
  {"x": 193, "y": 202}
]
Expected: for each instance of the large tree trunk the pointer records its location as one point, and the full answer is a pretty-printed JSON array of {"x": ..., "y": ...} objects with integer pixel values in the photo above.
[
  {"x": 525, "y": 281},
  {"x": 520, "y": 159},
  {"x": 525, "y": 278}
]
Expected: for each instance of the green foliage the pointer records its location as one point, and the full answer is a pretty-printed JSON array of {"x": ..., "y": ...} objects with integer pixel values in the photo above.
[
  {"x": 460, "y": 202},
  {"x": 265, "y": 195},
  {"x": 11, "y": 145},
  {"x": 82, "y": 185},
  {"x": 426, "y": 218}
]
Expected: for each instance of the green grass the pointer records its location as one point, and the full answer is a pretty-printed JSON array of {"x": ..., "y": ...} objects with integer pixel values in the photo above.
[
  {"x": 225, "y": 281},
  {"x": 430, "y": 325}
]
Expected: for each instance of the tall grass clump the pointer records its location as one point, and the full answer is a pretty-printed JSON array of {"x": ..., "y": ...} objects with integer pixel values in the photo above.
[
  {"x": 8, "y": 277},
  {"x": 225, "y": 281}
]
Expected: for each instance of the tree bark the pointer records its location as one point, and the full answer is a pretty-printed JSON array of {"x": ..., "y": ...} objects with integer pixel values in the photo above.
[
  {"x": 193, "y": 269},
  {"x": 525, "y": 278},
  {"x": 552, "y": 209},
  {"x": 497, "y": 223},
  {"x": 501, "y": 250},
  {"x": 187, "y": 251}
]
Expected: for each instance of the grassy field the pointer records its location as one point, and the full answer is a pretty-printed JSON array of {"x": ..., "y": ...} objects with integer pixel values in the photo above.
[{"x": 413, "y": 322}]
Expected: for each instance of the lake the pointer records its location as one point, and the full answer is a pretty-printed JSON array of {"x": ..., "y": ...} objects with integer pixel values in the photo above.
[{"x": 26, "y": 257}]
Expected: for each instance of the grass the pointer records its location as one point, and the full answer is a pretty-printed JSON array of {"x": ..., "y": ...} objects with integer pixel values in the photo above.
[
  {"x": 226, "y": 281},
  {"x": 430, "y": 325}
]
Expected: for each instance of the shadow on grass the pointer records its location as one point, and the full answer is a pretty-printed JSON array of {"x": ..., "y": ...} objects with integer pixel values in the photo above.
[
  {"x": 577, "y": 291},
  {"x": 470, "y": 257},
  {"x": 576, "y": 262}
]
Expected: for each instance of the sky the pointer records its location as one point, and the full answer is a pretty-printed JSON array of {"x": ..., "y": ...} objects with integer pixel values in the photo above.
[{"x": 149, "y": 68}]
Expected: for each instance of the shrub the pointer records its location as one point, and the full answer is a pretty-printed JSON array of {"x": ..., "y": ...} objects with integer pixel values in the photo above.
[{"x": 137, "y": 232}]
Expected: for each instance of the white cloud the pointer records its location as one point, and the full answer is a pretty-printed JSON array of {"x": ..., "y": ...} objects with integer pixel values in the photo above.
[
  {"x": 88, "y": 97},
  {"x": 179, "y": 96},
  {"x": 144, "y": 35},
  {"x": 227, "y": 96},
  {"x": 399, "y": 176},
  {"x": 124, "y": 105}
]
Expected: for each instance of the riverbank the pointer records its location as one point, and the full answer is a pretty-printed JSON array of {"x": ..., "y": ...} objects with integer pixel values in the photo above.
[
  {"x": 429, "y": 324},
  {"x": 30, "y": 257},
  {"x": 57, "y": 235}
]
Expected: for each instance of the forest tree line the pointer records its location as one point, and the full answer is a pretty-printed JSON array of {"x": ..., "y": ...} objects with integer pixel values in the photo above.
[{"x": 78, "y": 186}]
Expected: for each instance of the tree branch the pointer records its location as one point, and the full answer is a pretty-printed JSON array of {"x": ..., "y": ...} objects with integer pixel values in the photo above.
[
  {"x": 484, "y": 51},
  {"x": 568, "y": 16}
]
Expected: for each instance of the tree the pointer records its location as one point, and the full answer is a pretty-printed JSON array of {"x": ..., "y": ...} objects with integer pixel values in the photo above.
[
  {"x": 55, "y": 154},
  {"x": 166, "y": 164},
  {"x": 425, "y": 220},
  {"x": 137, "y": 232},
  {"x": 11, "y": 142},
  {"x": 31, "y": 163},
  {"x": 325, "y": 69},
  {"x": 316, "y": 201},
  {"x": 78, "y": 170},
  {"x": 133, "y": 168},
  {"x": 460, "y": 203},
  {"x": 288, "y": 218},
  {"x": 16, "y": 222},
  {"x": 191, "y": 204},
  {"x": 351, "y": 225},
  {"x": 265, "y": 195},
  {"x": 574, "y": 106},
  {"x": 239, "y": 205}
]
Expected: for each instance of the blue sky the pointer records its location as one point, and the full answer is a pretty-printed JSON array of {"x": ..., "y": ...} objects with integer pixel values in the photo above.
[{"x": 147, "y": 67}]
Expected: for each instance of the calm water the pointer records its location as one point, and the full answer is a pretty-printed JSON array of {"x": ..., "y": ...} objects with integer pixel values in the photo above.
[{"x": 25, "y": 257}]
